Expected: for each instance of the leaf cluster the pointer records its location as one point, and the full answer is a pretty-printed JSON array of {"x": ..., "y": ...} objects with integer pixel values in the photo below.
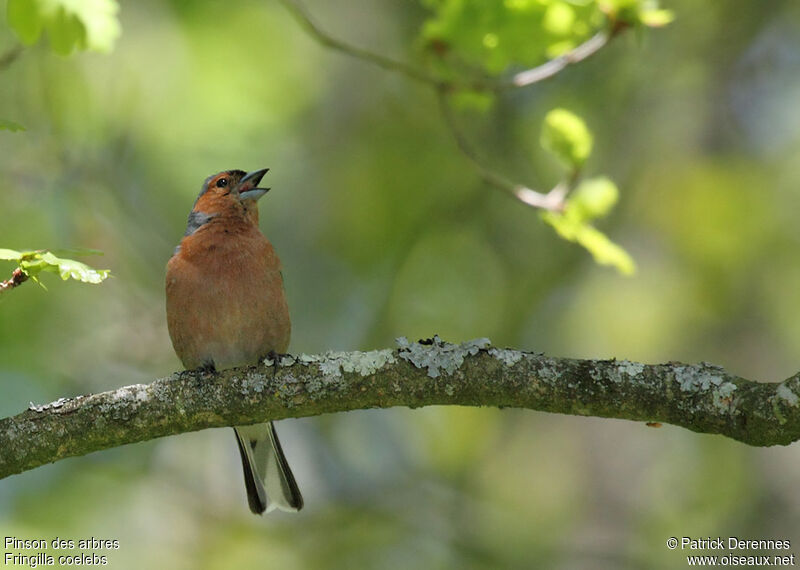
[
  {"x": 497, "y": 36},
  {"x": 569, "y": 140},
  {"x": 34, "y": 262}
]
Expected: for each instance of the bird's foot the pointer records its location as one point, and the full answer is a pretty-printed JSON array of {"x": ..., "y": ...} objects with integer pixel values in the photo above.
[{"x": 273, "y": 357}]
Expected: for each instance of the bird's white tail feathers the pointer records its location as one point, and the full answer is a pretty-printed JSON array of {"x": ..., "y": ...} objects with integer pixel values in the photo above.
[{"x": 267, "y": 476}]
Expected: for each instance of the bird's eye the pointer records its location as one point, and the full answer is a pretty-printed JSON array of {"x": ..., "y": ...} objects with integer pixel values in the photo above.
[{"x": 222, "y": 183}]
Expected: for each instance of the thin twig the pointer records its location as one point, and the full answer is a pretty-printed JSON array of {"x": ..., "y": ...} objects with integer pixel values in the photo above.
[
  {"x": 520, "y": 79},
  {"x": 304, "y": 18},
  {"x": 10, "y": 56},
  {"x": 18, "y": 277},
  {"x": 553, "y": 200},
  {"x": 550, "y": 68}
]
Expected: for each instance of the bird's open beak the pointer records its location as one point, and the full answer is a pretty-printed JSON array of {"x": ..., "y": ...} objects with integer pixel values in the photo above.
[{"x": 248, "y": 185}]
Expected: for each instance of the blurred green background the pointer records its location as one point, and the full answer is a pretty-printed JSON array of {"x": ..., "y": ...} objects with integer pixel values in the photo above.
[{"x": 385, "y": 230}]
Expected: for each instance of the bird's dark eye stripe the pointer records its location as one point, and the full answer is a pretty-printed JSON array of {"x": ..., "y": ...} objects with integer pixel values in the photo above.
[{"x": 222, "y": 183}]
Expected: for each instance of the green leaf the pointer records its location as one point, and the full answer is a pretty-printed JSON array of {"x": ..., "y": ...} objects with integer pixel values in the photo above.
[
  {"x": 65, "y": 31},
  {"x": 70, "y": 24},
  {"x": 622, "y": 10},
  {"x": 656, "y": 18},
  {"x": 567, "y": 137},
  {"x": 38, "y": 282},
  {"x": 635, "y": 12},
  {"x": 99, "y": 19},
  {"x": 24, "y": 17},
  {"x": 6, "y": 125},
  {"x": 10, "y": 255},
  {"x": 604, "y": 251},
  {"x": 71, "y": 269},
  {"x": 559, "y": 19},
  {"x": 33, "y": 265},
  {"x": 34, "y": 262},
  {"x": 593, "y": 198}
]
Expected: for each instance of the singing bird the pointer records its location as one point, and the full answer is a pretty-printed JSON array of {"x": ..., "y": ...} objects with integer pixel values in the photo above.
[{"x": 226, "y": 307}]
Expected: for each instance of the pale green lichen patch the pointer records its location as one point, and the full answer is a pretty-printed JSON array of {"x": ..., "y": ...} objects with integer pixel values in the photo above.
[
  {"x": 133, "y": 392},
  {"x": 439, "y": 356},
  {"x": 330, "y": 365},
  {"x": 723, "y": 397},
  {"x": 701, "y": 380},
  {"x": 255, "y": 381},
  {"x": 287, "y": 391},
  {"x": 785, "y": 393},
  {"x": 726, "y": 389},
  {"x": 548, "y": 372},
  {"x": 307, "y": 358},
  {"x": 52, "y": 405},
  {"x": 364, "y": 363},
  {"x": 506, "y": 356},
  {"x": 630, "y": 368},
  {"x": 692, "y": 379}
]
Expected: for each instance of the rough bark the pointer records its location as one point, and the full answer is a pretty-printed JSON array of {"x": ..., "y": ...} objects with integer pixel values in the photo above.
[{"x": 702, "y": 397}]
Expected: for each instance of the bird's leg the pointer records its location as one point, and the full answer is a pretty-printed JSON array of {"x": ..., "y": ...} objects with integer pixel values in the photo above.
[{"x": 273, "y": 356}]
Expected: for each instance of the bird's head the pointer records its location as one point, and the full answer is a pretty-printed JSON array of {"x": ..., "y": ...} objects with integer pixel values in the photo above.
[
  {"x": 230, "y": 193},
  {"x": 231, "y": 188}
]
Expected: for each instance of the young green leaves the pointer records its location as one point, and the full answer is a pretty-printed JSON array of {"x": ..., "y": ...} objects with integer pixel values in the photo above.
[
  {"x": 568, "y": 139},
  {"x": 496, "y": 36},
  {"x": 636, "y": 12},
  {"x": 33, "y": 263},
  {"x": 566, "y": 136}
]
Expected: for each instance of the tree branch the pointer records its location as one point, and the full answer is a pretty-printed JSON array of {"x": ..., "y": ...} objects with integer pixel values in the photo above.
[
  {"x": 18, "y": 277},
  {"x": 703, "y": 398},
  {"x": 550, "y": 68}
]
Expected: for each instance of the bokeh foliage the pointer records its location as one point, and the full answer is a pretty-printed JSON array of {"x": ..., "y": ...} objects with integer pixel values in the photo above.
[
  {"x": 385, "y": 230},
  {"x": 69, "y": 24}
]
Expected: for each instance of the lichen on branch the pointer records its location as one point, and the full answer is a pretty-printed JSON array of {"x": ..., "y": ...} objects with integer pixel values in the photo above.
[{"x": 701, "y": 397}]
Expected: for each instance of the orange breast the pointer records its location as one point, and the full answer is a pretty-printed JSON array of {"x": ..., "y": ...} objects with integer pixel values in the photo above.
[{"x": 225, "y": 300}]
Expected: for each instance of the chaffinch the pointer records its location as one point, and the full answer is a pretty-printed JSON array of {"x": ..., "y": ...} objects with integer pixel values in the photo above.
[{"x": 226, "y": 307}]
